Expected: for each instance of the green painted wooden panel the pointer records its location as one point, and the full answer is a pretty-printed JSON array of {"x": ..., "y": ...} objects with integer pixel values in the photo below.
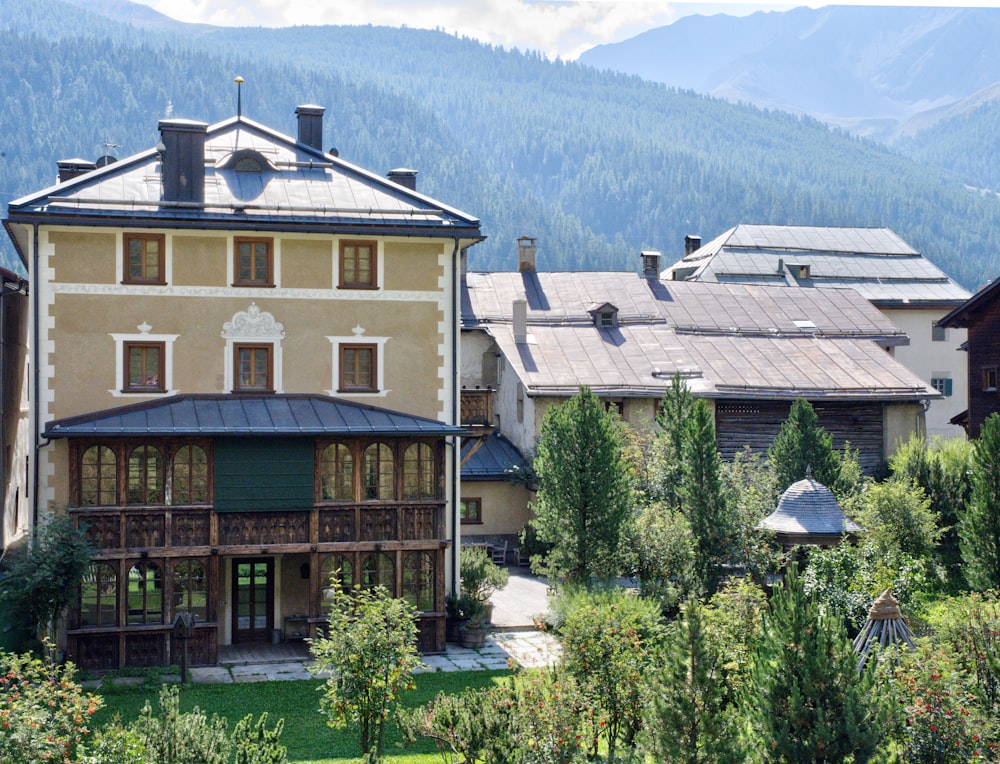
[{"x": 263, "y": 474}]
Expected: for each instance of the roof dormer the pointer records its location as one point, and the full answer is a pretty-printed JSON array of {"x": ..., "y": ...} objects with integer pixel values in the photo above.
[{"x": 605, "y": 315}]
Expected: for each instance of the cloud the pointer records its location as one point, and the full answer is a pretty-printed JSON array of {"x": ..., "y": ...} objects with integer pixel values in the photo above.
[{"x": 563, "y": 28}]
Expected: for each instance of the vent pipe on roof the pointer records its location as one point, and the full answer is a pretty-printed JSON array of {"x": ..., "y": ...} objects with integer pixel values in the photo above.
[
  {"x": 310, "y": 125},
  {"x": 692, "y": 243},
  {"x": 526, "y": 254},
  {"x": 404, "y": 177},
  {"x": 71, "y": 168},
  {"x": 520, "y": 313},
  {"x": 650, "y": 264},
  {"x": 182, "y": 160}
]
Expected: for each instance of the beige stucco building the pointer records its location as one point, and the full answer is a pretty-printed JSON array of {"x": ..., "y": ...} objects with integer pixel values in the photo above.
[{"x": 246, "y": 355}]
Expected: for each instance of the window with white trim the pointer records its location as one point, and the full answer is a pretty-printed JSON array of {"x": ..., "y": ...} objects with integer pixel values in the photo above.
[
  {"x": 253, "y": 351},
  {"x": 144, "y": 363},
  {"x": 358, "y": 365}
]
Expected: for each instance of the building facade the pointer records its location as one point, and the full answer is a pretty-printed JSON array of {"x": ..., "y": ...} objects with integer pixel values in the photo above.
[{"x": 245, "y": 354}]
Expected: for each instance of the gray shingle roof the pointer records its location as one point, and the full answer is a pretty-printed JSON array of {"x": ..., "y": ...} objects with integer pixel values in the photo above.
[
  {"x": 808, "y": 508},
  {"x": 236, "y": 415},
  {"x": 875, "y": 261}
]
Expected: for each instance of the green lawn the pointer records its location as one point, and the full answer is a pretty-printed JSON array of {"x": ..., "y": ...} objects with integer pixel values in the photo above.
[{"x": 308, "y": 738}]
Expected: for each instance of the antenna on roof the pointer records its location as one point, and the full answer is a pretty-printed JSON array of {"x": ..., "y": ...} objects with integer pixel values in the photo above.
[{"x": 239, "y": 95}]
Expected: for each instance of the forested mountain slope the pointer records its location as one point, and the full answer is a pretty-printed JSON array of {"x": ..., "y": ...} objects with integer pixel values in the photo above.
[{"x": 596, "y": 165}]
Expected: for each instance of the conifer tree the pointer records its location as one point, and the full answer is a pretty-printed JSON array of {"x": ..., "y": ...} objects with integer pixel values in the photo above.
[
  {"x": 979, "y": 526},
  {"x": 806, "y": 702},
  {"x": 703, "y": 500},
  {"x": 802, "y": 444},
  {"x": 673, "y": 416},
  {"x": 583, "y": 502},
  {"x": 686, "y": 720}
]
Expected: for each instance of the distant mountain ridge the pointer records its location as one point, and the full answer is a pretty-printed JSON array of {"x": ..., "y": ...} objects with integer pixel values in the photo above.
[
  {"x": 597, "y": 165},
  {"x": 866, "y": 69}
]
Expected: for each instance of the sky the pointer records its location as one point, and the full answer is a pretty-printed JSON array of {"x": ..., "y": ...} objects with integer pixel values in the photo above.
[{"x": 557, "y": 28}]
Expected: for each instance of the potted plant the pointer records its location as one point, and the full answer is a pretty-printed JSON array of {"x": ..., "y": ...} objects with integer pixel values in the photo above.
[
  {"x": 480, "y": 578},
  {"x": 458, "y": 610},
  {"x": 473, "y": 631}
]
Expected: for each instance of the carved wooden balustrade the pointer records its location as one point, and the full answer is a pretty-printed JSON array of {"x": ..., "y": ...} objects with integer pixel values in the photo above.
[{"x": 477, "y": 408}]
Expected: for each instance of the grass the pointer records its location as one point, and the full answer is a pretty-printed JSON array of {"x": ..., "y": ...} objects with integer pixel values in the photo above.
[{"x": 308, "y": 738}]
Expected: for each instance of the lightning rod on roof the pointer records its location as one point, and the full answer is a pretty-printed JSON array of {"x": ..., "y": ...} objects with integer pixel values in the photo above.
[{"x": 239, "y": 95}]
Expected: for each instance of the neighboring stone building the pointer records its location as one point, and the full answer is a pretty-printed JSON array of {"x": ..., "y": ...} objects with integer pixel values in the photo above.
[
  {"x": 907, "y": 287},
  {"x": 246, "y": 358}
]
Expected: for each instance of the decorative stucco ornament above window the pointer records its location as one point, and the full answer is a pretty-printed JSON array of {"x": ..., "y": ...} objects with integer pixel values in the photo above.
[{"x": 253, "y": 323}]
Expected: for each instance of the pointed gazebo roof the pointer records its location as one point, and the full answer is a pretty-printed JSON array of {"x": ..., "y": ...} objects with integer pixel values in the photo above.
[
  {"x": 885, "y": 625},
  {"x": 808, "y": 513}
]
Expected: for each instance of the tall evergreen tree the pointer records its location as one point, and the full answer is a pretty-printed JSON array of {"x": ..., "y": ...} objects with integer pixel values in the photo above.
[
  {"x": 802, "y": 444},
  {"x": 806, "y": 702},
  {"x": 703, "y": 500},
  {"x": 583, "y": 501},
  {"x": 686, "y": 720},
  {"x": 676, "y": 410},
  {"x": 979, "y": 526}
]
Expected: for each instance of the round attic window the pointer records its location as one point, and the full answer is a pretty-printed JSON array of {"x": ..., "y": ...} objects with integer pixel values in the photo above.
[{"x": 248, "y": 164}]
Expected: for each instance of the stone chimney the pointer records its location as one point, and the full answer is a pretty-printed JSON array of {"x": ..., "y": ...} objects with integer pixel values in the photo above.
[
  {"x": 691, "y": 243},
  {"x": 71, "y": 168},
  {"x": 520, "y": 314},
  {"x": 182, "y": 160},
  {"x": 310, "y": 125},
  {"x": 405, "y": 177},
  {"x": 650, "y": 264},
  {"x": 526, "y": 254}
]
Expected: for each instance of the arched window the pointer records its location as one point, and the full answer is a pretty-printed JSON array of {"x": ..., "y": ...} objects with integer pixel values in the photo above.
[
  {"x": 378, "y": 570},
  {"x": 418, "y": 580},
  {"x": 379, "y": 472},
  {"x": 145, "y": 476},
  {"x": 337, "y": 473},
  {"x": 191, "y": 589},
  {"x": 339, "y": 564},
  {"x": 189, "y": 484},
  {"x": 418, "y": 472},
  {"x": 248, "y": 164},
  {"x": 98, "y": 476},
  {"x": 145, "y": 594},
  {"x": 99, "y": 596}
]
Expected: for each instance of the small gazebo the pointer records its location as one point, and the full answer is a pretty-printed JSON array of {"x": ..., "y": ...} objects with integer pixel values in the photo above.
[{"x": 808, "y": 513}]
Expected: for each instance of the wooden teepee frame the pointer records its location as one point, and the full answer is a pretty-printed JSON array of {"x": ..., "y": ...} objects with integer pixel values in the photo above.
[{"x": 885, "y": 625}]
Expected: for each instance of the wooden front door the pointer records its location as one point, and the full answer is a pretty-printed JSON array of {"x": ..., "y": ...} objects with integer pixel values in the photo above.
[{"x": 253, "y": 599}]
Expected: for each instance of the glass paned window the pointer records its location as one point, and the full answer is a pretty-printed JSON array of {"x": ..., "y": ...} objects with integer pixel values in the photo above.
[
  {"x": 357, "y": 368},
  {"x": 190, "y": 476},
  {"x": 145, "y": 476},
  {"x": 144, "y": 258},
  {"x": 337, "y": 473},
  {"x": 253, "y": 262},
  {"x": 145, "y": 594},
  {"x": 339, "y": 564},
  {"x": 418, "y": 472},
  {"x": 379, "y": 472},
  {"x": 378, "y": 570},
  {"x": 99, "y": 596},
  {"x": 357, "y": 265},
  {"x": 418, "y": 580},
  {"x": 144, "y": 366},
  {"x": 253, "y": 367},
  {"x": 98, "y": 477},
  {"x": 471, "y": 511},
  {"x": 191, "y": 589}
]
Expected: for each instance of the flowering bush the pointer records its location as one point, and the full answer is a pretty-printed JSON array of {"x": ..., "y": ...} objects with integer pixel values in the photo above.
[
  {"x": 942, "y": 719},
  {"x": 44, "y": 713}
]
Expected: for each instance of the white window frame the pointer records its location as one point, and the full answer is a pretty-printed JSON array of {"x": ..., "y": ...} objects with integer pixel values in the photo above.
[
  {"x": 359, "y": 338},
  {"x": 142, "y": 337},
  {"x": 252, "y": 326}
]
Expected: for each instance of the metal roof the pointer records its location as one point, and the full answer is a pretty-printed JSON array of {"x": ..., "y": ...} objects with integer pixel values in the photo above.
[
  {"x": 493, "y": 460},
  {"x": 638, "y": 360},
  {"x": 874, "y": 261},
  {"x": 564, "y": 298},
  {"x": 808, "y": 508},
  {"x": 240, "y": 415},
  {"x": 300, "y": 186}
]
